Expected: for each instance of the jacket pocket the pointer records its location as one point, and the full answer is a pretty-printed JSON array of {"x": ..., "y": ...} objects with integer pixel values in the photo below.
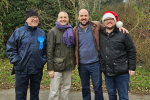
[
  {"x": 17, "y": 66},
  {"x": 120, "y": 67},
  {"x": 59, "y": 64},
  {"x": 103, "y": 66},
  {"x": 35, "y": 60},
  {"x": 58, "y": 51}
]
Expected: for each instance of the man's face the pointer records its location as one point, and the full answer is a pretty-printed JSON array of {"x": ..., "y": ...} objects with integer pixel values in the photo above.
[
  {"x": 109, "y": 23},
  {"x": 83, "y": 17},
  {"x": 33, "y": 21},
  {"x": 63, "y": 18}
]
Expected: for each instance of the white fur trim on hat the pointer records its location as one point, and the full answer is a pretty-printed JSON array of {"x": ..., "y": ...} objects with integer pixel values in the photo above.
[
  {"x": 119, "y": 24},
  {"x": 108, "y": 15}
]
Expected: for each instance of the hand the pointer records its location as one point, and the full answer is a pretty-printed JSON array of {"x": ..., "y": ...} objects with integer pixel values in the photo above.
[
  {"x": 124, "y": 30},
  {"x": 131, "y": 72},
  {"x": 51, "y": 73},
  {"x": 77, "y": 65}
]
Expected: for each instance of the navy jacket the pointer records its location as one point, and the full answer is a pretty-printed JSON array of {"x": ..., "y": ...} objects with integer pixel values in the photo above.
[
  {"x": 118, "y": 53},
  {"x": 30, "y": 55}
]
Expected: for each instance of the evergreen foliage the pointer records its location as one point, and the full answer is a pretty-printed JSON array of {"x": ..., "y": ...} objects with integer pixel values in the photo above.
[{"x": 13, "y": 16}]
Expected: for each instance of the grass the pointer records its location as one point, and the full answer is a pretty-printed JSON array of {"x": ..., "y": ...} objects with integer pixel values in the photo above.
[{"x": 139, "y": 83}]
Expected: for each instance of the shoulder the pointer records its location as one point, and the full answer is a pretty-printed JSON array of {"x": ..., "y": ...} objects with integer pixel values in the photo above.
[
  {"x": 99, "y": 25},
  {"x": 96, "y": 22},
  {"x": 75, "y": 28},
  {"x": 53, "y": 29},
  {"x": 39, "y": 29},
  {"x": 20, "y": 29}
]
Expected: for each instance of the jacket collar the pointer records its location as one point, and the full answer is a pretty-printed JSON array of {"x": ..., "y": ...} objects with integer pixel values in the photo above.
[
  {"x": 115, "y": 30},
  {"x": 29, "y": 27},
  {"x": 93, "y": 26}
]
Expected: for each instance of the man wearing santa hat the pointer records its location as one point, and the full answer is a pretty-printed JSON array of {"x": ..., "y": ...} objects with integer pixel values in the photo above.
[{"x": 118, "y": 57}]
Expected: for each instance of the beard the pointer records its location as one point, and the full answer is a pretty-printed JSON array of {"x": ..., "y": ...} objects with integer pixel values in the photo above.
[
  {"x": 84, "y": 24},
  {"x": 110, "y": 28}
]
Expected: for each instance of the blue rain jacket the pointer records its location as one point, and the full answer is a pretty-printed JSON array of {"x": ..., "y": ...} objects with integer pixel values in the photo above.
[{"x": 30, "y": 55}]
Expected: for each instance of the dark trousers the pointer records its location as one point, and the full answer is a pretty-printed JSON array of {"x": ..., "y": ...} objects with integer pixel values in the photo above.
[
  {"x": 93, "y": 70},
  {"x": 119, "y": 82},
  {"x": 22, "y": 82}
]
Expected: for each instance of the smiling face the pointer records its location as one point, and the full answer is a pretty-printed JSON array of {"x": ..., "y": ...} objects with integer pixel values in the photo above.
[
  {"x": 83, "y": 17},
  {"x": 32, "y": 21},
  {"x": 109, "y": 23},
  {"x": 63, "y": 18}
]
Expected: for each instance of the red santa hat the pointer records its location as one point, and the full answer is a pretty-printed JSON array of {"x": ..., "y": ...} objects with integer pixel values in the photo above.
[{"x": 114, "y": 16}]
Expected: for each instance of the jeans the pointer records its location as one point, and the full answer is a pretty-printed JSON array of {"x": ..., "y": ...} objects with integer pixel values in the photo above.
[
  {"x": 119, "y": 82},
  {"x": 22, "y": 82},
  {"x": 93, "y": 70}
]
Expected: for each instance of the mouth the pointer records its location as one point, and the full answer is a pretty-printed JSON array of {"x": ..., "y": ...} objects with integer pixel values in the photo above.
[
  {"x": 83, "y": 20},
  {"x": 109, "y": 24},
  {"x": 34, "y": 22}
]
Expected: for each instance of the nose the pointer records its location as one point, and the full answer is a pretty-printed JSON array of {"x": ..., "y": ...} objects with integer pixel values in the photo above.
[
  {"x": 63, "y": 18},
  {"x": 83, "y": 17}
]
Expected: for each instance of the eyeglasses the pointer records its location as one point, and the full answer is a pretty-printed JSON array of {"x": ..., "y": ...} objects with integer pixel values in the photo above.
[
  {"x": 34, "y": 17},
  {"x": 110, "y": 19}
]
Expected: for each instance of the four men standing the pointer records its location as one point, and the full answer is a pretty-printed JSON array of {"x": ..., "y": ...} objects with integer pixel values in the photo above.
[{"x": 64, "y": 45}]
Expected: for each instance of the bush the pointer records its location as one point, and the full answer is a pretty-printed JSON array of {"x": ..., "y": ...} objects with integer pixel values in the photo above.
[{"x": 2, "y": 46}]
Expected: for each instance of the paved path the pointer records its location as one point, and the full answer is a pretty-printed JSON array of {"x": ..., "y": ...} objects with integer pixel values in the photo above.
[{"x": 10, "y": 95}]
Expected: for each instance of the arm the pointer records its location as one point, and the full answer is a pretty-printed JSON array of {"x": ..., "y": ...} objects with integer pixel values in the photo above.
[
  {"x": 12, "y": 48},
  {"x": 76, "y": 45},
  {"x": 50, "y": 50},
  {"x": 99, "y": 28},
  {"x": 131, "y": 54}
]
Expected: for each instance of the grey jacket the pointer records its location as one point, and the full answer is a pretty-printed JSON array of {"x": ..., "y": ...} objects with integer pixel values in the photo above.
[{"x": 59, "y": 56}]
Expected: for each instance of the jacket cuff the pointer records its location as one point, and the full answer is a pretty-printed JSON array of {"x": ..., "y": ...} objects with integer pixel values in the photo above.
[{"x": 133, "y": 67}]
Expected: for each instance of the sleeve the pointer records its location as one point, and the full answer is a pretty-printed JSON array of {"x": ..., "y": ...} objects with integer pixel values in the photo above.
[
  {"x": 131, "y": 52},
  {"x": 50, "y": 50},
  {"x": 102, "y": 27},
  {"x": 12, "y": 48}
]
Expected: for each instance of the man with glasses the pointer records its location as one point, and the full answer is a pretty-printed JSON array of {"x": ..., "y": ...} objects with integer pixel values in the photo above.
[
  {"x": 26, "y": 49},
  {"x": 118, "y": 57}
]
